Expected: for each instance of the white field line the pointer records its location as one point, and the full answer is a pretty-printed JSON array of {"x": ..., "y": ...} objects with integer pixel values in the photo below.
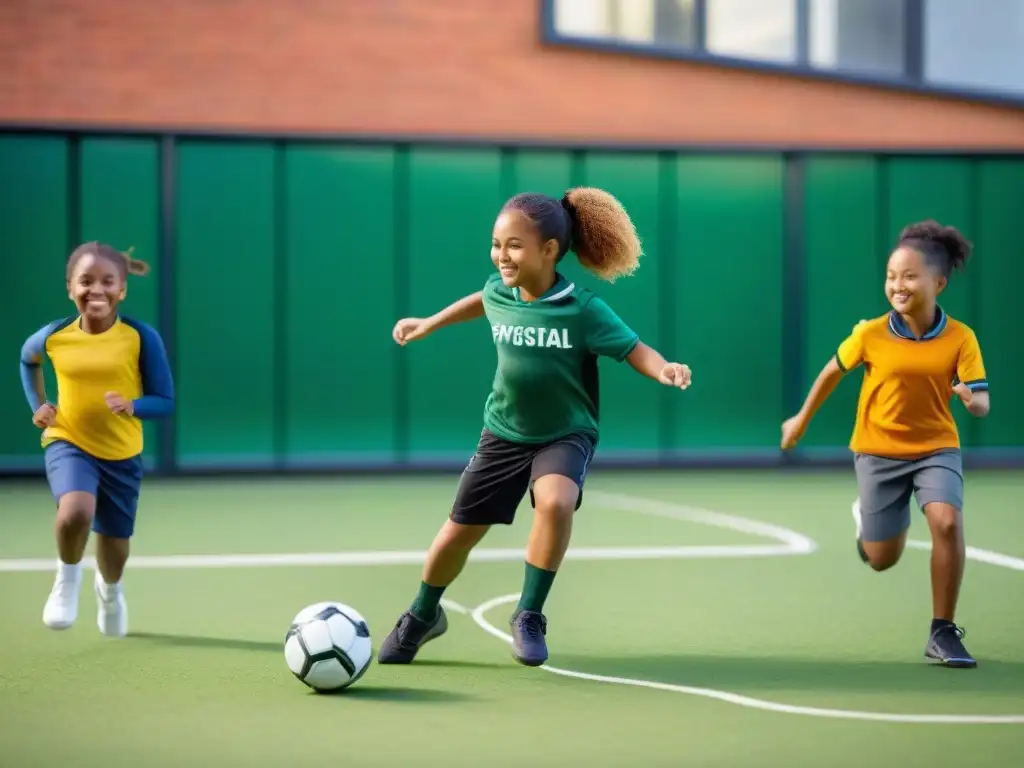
[
  {"x": 797, "y": 544},
  {"x": 790, "y": 543},
  {"x": 454, "y": 607},
  {"x": 478, "y": 615},
  {"x": 411, "y": 557},
  {"x": 981, "y": 555}
]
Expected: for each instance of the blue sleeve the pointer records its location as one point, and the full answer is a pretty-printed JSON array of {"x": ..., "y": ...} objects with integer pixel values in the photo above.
[
  {"x": 157, "y": 399},
  {"x": 32, "y": 353}
]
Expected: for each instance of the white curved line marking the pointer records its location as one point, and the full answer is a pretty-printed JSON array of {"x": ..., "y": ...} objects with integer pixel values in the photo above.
[
  {"x": 794, "y": 543},
  {"x": 791, "y": 543},
  {"x": 412, "y": 557},
  {"x": 454, "y": 607},
  {"x": 981, "y": 555},
  {"x": 477, "y": 615}
]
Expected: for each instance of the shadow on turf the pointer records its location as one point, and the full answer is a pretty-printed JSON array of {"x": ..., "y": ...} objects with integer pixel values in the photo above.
[
  {"x": 748, "y": 674},
  {"x": 398, "y": 694},
  {"x": 234, "y": 644},
  {"x": 190, "y": 641},
  {"x": 460, "y": 664}
]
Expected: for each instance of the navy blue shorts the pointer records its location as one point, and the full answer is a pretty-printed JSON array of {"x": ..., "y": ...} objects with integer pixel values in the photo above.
[{"x": 115, "y": 484}]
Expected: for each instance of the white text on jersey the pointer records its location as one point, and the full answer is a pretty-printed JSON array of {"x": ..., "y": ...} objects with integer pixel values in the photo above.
[{"x": 530, "y": 336}]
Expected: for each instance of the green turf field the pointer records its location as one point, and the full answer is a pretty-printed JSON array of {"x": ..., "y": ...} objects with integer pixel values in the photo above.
[{"x": 707, "y": 619}]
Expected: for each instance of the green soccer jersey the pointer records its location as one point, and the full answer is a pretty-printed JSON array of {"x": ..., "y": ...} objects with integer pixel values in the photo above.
[{"x": 545, "y": 386}]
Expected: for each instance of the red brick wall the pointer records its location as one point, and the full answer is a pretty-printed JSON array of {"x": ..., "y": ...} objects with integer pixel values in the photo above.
[{"x": 454, "y": 67}]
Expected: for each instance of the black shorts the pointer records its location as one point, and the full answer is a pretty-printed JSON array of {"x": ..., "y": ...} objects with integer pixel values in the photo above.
[{"x": 501, "y": 472}]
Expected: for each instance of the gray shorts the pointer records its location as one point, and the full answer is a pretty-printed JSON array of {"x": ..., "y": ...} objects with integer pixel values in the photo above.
[{"x": 885, "y": 486}]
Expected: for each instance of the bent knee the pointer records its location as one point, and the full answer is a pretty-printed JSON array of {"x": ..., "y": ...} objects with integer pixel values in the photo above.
[
  {"x": 883, "y": 555},
  {"x": 76, "y": 509},
  {"x": 557, "y": 508},
  {"x": 555, "y": 496},
  {"x": 944, "y": 520},
  {"x": 882, "y": 563}
]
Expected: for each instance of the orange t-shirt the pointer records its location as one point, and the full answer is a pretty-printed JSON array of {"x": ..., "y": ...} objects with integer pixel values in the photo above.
[{"x": 904, "y": 406}]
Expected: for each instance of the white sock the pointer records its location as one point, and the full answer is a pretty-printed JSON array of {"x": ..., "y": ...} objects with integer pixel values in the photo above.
[
  {"x": 71, "y": 571},
  {"x": 110, "y": 591}
]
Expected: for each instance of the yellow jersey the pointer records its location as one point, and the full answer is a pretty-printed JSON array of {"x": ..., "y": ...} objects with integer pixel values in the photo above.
[
  {"x": 129, "y": 359},
  {"x": 904, "y": 405}
]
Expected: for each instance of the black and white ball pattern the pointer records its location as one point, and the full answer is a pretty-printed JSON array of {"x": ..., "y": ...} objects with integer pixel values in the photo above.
[{"x": 328, "y": 646}]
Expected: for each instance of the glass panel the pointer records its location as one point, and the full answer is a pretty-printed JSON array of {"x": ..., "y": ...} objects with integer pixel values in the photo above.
[
  {"x": 584, "y": 18},
  {"x": 675, "y": 22},
  {"x": 975, "y": 45},
  {"x": 862, "y": 36},
  {"x": 752, "y": 29},
  {"x": 664, "y": 22}
]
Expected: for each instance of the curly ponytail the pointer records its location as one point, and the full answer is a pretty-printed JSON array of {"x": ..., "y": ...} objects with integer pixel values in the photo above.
[
  {"x": 589, "y": 222},
  {"x": 603, "y": 236}
]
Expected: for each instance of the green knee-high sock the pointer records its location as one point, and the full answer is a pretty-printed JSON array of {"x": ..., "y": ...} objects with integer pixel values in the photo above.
[
  {"x": 424, "y": 607},
  {"x": 536, "y": 585}
]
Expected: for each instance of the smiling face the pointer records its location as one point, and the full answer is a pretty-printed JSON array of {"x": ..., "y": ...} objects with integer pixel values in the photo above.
[
  {"x": 97, "y": 286},
  {"x": 911, "y": 285},
  {"x": 522, "y": 258}
]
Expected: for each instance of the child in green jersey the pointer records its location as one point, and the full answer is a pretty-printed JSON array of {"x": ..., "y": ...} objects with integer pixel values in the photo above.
[{"x": 541, "y": 417}]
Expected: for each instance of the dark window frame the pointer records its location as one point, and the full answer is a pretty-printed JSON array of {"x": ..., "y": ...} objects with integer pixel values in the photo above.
[{"x": 913, "y": 51}]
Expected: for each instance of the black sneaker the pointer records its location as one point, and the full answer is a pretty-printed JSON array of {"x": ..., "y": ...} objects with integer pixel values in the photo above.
[
  {"x": 409, "y": 635},
  {"x": 945, "y": 648},
  {"x": 528, "y": 645}
]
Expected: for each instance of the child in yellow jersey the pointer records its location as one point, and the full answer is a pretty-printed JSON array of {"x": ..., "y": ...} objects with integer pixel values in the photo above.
[
  {"x": 111, "y": 372},
  {"x": 905, "y": 441}
]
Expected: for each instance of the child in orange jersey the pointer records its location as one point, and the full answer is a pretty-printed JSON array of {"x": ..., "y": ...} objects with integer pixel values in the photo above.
[{"x": 905, "y": 441}]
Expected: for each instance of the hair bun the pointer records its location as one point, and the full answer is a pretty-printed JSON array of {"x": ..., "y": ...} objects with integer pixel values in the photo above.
[{"x": 950, "y": 240}]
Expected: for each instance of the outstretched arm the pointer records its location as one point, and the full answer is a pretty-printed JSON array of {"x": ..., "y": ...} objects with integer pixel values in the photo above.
[
  {"x": 608, "y": 335},
  {"x": 650, "y": 363},
  {"x": 412, "y": 328},
  {"x": 646, "y": 360},
  {"x": 468, "y": 308},
  {"x": 793, "y": 429},
  {"x": 850, "y": 354}
]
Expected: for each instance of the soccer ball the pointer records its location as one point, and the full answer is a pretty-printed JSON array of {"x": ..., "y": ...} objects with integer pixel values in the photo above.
[{"x": 328, "y": 646}]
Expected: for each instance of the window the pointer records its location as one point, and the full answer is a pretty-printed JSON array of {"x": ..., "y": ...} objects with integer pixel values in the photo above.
[
  {"x": 584, "y": 18},
  {"x": 659, "y": 22},
  {"x": 951, "y": 45},
  {"x": 975, "y": 44},
  {"x": 858, "y": 36},
  {"x": 752, "y": 29}
]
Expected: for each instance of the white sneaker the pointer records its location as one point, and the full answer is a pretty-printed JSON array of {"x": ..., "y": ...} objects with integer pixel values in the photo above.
[
  {"x": 61, "y": 607},
  {"x": 111, "y": 608},
  {"x": 855, "y": 509}
]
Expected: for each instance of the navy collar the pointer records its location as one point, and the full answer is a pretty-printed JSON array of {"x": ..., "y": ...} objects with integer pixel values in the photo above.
[{"x": 899, "y": 327}]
